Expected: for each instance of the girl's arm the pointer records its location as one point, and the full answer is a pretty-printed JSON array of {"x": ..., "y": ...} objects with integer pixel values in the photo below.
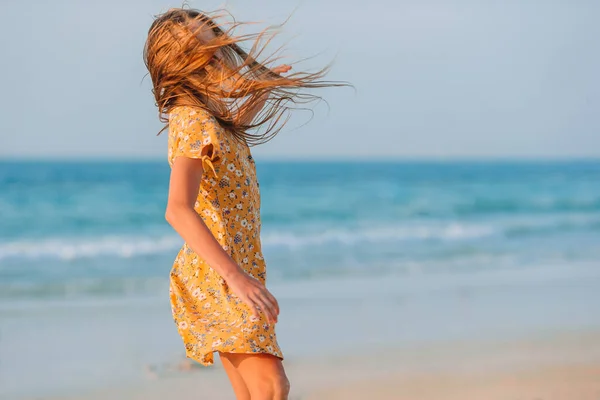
[{"x": 186, "y": 175}]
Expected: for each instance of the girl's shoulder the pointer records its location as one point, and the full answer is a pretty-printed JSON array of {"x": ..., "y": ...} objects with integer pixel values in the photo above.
[
  {"x": 193, "y": 118},
  {"x": 189, "y": 111}
]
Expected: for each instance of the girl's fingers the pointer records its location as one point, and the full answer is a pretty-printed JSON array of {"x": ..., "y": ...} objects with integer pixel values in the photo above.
[
  {"x": 264, "y": 305},
  {"x": 270, "y": 307},
  {"x": 268, "y": 310},
  {"x": 282, "y": 68},
  {"x": 273, "y": 301},
  {"x": 257, "y": 306},
  {"x": 253, "y": 307}
]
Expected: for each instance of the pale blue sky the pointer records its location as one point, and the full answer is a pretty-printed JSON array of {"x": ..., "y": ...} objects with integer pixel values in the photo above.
[{"x": 434, "y": 78}]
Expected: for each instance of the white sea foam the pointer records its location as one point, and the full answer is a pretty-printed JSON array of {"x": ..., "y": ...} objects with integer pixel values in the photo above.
[
  {"x": 129, "y": 246},
  {"x": 387, "y": 234},
  {"x": 67, "y": 248},
  {"x": 73, "y": 248}
]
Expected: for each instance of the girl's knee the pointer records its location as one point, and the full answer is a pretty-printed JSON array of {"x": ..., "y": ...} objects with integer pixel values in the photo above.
[
  {"x": 271, "y": 388},
  {"x": 282, "y": 388}
]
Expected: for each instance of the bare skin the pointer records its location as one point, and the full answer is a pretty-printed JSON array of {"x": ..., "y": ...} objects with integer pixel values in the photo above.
[
  {"x": 256, "y": 376},
  {"x": 253, "y": 376},
  {"x": 184, "y": 185}
]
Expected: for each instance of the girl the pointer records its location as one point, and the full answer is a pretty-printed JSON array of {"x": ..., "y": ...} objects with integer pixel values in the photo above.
[{"x": 212, "y": 94}]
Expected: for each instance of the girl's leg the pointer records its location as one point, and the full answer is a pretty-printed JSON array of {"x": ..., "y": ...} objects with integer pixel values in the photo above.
[
  {"x": 239, "y": 386},
  {"x": 263, "y": 375}
]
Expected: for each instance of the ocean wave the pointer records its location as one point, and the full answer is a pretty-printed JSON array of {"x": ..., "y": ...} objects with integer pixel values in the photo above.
[
  {"x": 74, "y": 248},
  {"x": 131, "y": 246},
  {"x": 447, "y": 232}
]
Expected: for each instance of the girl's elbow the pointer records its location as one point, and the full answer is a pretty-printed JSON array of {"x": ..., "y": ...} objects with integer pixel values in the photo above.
[
  {"x": 177, "y": 212},
  {"x": 170, "y": 215}
]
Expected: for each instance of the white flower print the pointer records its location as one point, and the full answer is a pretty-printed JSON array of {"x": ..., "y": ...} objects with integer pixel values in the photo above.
[{"x": 207, "y": 314}]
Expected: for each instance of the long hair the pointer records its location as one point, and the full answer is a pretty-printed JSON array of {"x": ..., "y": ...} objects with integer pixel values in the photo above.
[{"x": 217, "y": 75}]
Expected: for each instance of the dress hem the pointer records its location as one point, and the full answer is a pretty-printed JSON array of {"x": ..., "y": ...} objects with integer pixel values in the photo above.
[{"x": 199, "y": 358}]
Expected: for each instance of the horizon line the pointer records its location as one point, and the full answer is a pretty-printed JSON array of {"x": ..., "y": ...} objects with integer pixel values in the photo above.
[{"x": 347, "y": 159}]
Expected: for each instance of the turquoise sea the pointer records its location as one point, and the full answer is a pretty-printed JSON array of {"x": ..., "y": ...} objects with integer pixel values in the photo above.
[
  {"x": 97, "y": 229},
  {"x": 85, "y": 255}
]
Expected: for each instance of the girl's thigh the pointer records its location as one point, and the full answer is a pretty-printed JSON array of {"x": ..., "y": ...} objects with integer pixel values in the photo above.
[{"x": 263, "y": 374}]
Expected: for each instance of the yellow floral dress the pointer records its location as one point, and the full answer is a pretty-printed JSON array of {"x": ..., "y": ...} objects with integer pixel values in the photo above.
[{"x": 209, "y": 317}]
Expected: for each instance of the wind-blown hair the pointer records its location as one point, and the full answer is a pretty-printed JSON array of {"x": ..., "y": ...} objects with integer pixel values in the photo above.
[{"x": 185, "y": 70}]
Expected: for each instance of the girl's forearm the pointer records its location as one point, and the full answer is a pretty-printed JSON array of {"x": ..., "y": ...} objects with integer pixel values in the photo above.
[{"x": 190, "y": 226}]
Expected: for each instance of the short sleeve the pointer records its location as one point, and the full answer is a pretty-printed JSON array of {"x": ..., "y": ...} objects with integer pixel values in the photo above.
[{"x": 195, "y": 134}]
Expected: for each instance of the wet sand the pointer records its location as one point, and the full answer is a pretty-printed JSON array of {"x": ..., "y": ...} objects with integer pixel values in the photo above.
[{"x": 554, "y": 367}]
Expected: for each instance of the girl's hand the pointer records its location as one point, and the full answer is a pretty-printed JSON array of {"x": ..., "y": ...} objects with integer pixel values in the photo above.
[
  {"x": 281, "y": 69},
  {"x": 254, "y": 294}
]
